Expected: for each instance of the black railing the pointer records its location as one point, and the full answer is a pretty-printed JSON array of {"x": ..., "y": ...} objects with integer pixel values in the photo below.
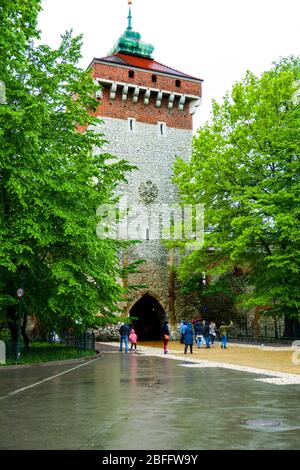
[
  {"x": 82, "y": 341},
  {"x": 65, "y": 346},
  {"x": 264, "y": 332}
]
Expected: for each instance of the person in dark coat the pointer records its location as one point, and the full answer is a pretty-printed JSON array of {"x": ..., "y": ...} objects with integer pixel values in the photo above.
[
  {"x": 198, "y": 329},
  {"x": 124, "y": 333},
  {"x": 206, "y": 333},
  {"x": 188, "y": 338},
  {"x": 165, "y": 334}
]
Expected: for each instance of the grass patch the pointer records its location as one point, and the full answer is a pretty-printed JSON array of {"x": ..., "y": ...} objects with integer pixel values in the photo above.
[{"x": 47, "y": 352}]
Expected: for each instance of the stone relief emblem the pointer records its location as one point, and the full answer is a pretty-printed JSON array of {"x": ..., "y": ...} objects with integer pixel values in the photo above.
[{"x": 148, "y": 192}]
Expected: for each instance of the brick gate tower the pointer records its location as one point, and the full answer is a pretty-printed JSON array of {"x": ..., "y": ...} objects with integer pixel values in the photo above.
[{"x": 147, "y": 111}]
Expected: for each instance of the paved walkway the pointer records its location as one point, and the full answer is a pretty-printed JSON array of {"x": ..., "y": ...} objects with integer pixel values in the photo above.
[
  {"x": 144, "y": 401},
  {"x": 252, "y": 359}
]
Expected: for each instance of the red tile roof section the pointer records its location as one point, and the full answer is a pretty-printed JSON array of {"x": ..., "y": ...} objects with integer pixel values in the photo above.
[{"x": 146, "y": 64}]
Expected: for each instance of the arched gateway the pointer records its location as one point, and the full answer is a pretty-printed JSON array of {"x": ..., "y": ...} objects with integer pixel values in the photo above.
[{"x": 150, "y": 315}]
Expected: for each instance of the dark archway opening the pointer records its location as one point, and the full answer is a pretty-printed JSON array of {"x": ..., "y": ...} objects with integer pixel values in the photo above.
[{"x": 150, "y": 315}]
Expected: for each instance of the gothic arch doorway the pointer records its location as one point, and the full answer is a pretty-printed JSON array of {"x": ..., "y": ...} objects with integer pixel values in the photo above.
[{"x": 150, "y": 315}]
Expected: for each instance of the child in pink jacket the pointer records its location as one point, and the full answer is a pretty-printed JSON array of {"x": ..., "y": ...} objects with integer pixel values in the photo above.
[{"x": 133, "y": 339}]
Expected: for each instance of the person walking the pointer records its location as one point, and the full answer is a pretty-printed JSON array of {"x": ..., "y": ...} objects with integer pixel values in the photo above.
[
  {"x": 188, "y": 338},
  {"x": 182, "y": 330},
  {"x": 124, "y": 333},
  {"x": 198, "y": 329},
  {"x": 133, "y": 339},
  {"x": 224, "y": 334},
  {"x": 206, "y": 333},
  {"x": 165, "y": 333},
  {"x": 212, "y": 333}
]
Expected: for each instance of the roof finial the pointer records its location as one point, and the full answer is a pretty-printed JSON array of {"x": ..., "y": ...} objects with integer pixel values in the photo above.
[
  {"x": 129, "y": 27},
  {"x": 130, "y": 42}
]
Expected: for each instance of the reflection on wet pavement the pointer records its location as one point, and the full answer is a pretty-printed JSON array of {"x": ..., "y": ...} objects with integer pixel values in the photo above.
[{"x": 124, "y": 401}]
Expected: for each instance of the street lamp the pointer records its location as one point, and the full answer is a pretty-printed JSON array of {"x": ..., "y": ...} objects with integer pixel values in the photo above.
[{"x": 20, "y": 294}]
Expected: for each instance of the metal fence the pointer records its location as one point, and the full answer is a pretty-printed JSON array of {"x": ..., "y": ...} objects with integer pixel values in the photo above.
[
  {"x": 270, "y": 330},
  {"x": 62, "y": 347},
  {"x": 82, "y": 342}
]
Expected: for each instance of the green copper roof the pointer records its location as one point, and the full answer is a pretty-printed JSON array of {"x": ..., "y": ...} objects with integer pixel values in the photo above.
[{"x": 130, "y": 43}]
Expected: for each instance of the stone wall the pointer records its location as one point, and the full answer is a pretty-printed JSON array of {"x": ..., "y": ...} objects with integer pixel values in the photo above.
[
  {"x": 153, "y": 153},
  {"x": 256, "y": 326},
  {"x": 111, "y": 333},
  {"x": 108, "y": 333}
]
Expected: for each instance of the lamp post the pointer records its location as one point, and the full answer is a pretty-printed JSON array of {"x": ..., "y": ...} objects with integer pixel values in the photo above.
[{"x": 20, "y": 294}]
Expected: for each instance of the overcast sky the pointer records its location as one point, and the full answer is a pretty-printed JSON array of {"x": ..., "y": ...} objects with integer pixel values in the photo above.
[{"x": 216, "y": 40}]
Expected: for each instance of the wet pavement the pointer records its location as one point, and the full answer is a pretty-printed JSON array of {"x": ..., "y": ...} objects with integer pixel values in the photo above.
[{"x": 133, "y": 401}]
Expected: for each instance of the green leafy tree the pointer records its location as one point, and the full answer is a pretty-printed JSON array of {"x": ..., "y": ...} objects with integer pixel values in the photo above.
[
  {"x": 245, "y": 168},
  {"x": 216, "y": 300},
  {"x": 52, "y": 181}
]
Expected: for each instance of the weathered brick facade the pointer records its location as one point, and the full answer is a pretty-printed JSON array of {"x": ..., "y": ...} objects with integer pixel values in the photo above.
[
  {"x": 148, "y": 114},
  {"x": 141, "y": 79}
]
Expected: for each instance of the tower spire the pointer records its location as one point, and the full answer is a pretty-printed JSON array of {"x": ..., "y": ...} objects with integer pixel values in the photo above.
[
  {"x": 130, "y": 42},
  {"x": 129, "y": 27}
]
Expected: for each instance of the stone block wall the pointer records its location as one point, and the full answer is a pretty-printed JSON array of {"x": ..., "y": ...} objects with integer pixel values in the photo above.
[
  {"x": 153, "y": 153},
  {"x": 108, "y": 333}
]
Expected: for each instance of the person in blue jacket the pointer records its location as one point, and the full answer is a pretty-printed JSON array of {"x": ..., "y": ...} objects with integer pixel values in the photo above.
[
  {"x": 182, "y": 330},
  {"x": 188, "y": 338}
]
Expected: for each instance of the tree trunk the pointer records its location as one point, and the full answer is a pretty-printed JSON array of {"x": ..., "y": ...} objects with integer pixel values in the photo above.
[
  {"x": 276, "y": 327},
  {"x": 172, "y": 287},
  {"x": 125, "y": 281},
  {"x": 12, "y": 321},
  {"x": 23, "y": 332},
  {"x": 291, "y": 328}
]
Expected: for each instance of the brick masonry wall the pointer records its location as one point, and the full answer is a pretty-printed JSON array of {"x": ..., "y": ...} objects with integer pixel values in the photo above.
[
  {"x": 149, "y": 114},
  {"x": 145, "y": 113},
  {"x": 144, "y": 78}
]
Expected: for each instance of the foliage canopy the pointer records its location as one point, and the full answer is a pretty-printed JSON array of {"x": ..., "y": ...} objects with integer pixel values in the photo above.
[
  {"x": 245, "y": 168},
  {"x": 48, "y": 194}
]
